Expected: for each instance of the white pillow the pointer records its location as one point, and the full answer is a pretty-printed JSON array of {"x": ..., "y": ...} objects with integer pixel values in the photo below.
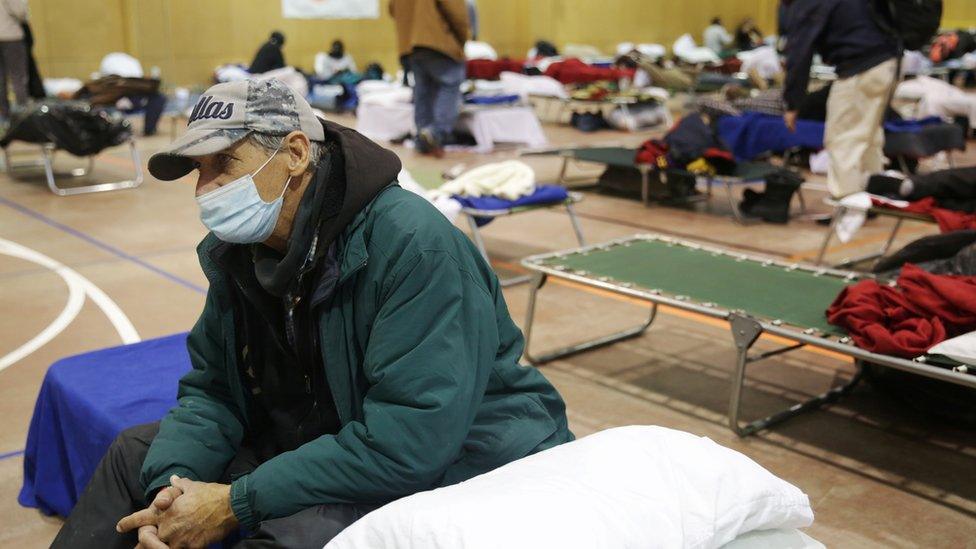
[{"x": 629, "y": 487}]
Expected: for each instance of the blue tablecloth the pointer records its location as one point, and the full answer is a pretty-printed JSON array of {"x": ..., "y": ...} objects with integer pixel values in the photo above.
[
  {"x": 84, "y": 403},
  {"x": 543, "y": 195}
]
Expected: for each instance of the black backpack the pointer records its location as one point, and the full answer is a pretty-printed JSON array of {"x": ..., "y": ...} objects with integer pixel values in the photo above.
[{"x": 913, "y": 22}]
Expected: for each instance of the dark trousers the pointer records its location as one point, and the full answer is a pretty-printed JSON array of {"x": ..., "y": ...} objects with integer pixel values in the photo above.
[
  {"x": 13, "y": 67},
  {"x": 114, "y": 491},
  {"x": 437, "y": 82}
]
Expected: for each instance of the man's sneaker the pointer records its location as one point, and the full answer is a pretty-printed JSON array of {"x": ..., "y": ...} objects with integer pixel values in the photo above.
[{"x": 427, "y": 143}]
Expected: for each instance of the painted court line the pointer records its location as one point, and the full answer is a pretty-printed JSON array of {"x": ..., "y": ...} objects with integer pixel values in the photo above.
[
  {"x": 102, "y": 245},
  {"x": 8, "y": 455},
  {"x": 79, "y": 287}
]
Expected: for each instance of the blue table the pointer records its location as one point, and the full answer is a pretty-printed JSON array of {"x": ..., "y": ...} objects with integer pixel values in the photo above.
[{"x": 84, "y": 403}]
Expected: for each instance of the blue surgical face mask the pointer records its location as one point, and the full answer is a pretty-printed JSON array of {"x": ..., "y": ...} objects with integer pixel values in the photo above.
[{"x": 236, "y": 213}]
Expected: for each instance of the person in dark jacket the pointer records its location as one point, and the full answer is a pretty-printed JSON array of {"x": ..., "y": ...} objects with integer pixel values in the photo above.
[
  {"x": 846, "y": 35},
  {"x": 269, "y": 56},
  {"x": 747, "y": 35},
  {"x": 354, "y": 347}
]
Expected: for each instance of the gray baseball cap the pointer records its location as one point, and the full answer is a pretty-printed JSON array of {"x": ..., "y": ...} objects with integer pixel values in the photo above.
[{"x": 228, "y": 112}]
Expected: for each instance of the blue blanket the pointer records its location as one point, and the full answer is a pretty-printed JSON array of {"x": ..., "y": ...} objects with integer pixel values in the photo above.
[
  {"x": 491, "y": 99},
  {"x": 753, "y": 134},
  {"x": 84, "y": 403},
  {"x": 543, "y": 195}
]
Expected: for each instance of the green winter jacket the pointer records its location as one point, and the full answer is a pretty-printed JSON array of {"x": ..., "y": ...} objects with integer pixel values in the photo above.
[{"x": 422, "y": 359}]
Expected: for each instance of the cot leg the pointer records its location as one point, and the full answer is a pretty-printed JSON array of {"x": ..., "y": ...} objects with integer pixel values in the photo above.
[
  {"x": 561, "y": 180},
  {"x": 480, "y": 244},
  {"x": 736, "y": 212},
  {"x": 745, "y": 332},
  {"x": 576, "y": 224},
  {"x": 873, "y": 256},
  {"x": 645, "y": 184},
  {"x": 838, "y": 214},
  {"x": 47, "y": 153},
  {"x": 538, "y": 279}
]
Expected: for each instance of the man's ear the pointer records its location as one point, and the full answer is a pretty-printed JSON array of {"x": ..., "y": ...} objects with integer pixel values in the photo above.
[{"x": 299, "y": 152}]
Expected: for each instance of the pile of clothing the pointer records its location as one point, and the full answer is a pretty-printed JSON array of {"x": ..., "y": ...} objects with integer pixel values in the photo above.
[
  {"x": 908, "y": 319},
  {"x": 938, "y": 98},
  {"x": 952, "y": 45},
  {"x": 947, "y": 195},
  {"x": 498, "y": 186}
]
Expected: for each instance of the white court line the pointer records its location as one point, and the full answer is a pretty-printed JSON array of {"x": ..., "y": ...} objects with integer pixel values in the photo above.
[{"x": 78, "y": 288}]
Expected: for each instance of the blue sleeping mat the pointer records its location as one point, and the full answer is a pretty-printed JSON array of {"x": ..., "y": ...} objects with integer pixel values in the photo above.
[{"x": 84, "y": 403}]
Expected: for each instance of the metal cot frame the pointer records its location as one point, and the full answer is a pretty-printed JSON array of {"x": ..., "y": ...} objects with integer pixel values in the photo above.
[
  {"x": 727, "y": 181},
  {"x": 840, "y": 211},
  {"x": 745, "y": 328},
  {"x": 47, "y": 163},
  {"x": 472, "y": 213}
]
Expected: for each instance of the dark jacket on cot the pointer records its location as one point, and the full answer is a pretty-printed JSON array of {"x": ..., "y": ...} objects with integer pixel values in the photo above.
[
  {"x": 843, "y": 32},
  {"x": 268, "y": 58}
]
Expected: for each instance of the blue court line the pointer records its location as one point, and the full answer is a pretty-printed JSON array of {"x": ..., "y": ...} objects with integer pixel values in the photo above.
[
  {"x": 99, "y": 244},
  {"x": 13, "y": 454}
]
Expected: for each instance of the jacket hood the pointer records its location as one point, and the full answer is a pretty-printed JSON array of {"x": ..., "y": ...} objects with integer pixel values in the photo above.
[{"x": 349, "y": 175}]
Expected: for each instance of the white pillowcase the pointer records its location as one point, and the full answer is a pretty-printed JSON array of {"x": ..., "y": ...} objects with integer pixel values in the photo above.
[{"x": 629, "y": 487}]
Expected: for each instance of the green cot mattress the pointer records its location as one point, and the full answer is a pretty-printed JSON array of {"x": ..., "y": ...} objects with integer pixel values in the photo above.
[{"x": 763, "y": 289}]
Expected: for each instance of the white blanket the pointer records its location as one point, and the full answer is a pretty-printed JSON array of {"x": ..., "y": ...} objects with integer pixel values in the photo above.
[
  {"x": 938, "y": 98},
  {"x": 689, "y": 52}
]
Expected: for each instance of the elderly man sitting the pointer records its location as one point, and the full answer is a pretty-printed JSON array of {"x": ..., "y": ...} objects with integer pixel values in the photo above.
[{"x": 354, "y": 348}]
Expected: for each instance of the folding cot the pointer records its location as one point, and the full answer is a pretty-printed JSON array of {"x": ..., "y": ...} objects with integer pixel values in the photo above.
[
  {"x": 73, "y": 127},
  {"x": 624, "y": 157},
  {"x": 756, "y": 295},
  {"x": 479, "y": 215}
]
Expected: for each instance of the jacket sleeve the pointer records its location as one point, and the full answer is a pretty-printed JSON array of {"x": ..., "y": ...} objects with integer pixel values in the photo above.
[
  {"x": 805, "y": 26},
  {"x": 430, "y": 335},
  {"x": 200, "y": 436},
  {"x": 455, "y": 12}
]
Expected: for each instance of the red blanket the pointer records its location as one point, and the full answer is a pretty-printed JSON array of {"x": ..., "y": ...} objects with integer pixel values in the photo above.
[
  {"x": 907, "y": 320},
  {"x": 486, "y": 69},
  {"x": 574, "y": 71},
  {"x": 948, "y": 220}
]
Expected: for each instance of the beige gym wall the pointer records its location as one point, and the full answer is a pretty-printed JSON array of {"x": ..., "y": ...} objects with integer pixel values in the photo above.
[{"x": 188, "y": 38}]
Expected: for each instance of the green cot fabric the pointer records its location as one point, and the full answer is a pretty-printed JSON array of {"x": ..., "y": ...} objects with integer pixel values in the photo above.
[
  {"x": 753, "y": 171},
  {"x": 798, "y": 298},
  {"x": 612, "y": 156}
]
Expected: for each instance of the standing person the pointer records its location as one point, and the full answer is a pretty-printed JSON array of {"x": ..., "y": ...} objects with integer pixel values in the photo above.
[
  {"x": 715, "y": 37},
  {"x": 432, "y": 34},
  {"x": 269, "y": 56},
  {"x": 845, "y": 34},
  {"x": 13, "y": 53}
]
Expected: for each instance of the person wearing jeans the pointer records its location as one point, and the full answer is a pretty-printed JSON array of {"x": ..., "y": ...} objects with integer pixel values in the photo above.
[
  {"x": 437, "y": 92},
  {"x": 13, "y": 53},
  {"x": 431, "y": 35}
]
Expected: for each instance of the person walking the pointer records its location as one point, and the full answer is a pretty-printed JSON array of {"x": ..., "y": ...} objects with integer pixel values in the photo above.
[{"x": 431, "y": 34}]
